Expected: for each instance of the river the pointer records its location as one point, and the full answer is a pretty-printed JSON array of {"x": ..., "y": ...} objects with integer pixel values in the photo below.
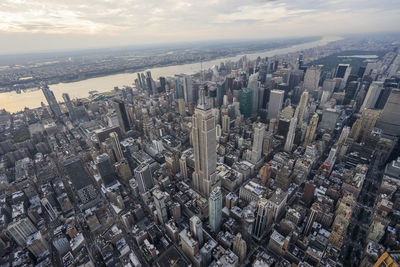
[{"x": 13, "y": 102}]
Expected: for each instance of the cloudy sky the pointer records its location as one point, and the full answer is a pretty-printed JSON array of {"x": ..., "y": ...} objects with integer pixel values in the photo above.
[{"x": 42, "y": 25}]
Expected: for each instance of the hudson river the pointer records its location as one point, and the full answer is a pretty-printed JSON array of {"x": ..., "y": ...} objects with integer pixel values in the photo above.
[{"x": 14, "y": 102}]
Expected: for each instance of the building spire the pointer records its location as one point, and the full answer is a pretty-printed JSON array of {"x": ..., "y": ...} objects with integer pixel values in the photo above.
[{"x": 202, "y": 101}]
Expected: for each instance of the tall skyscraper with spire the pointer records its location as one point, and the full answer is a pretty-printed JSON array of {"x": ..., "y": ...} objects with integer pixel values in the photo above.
[
  {"x": 204, "y": 147},
  {"x": 51, "y": 99}
]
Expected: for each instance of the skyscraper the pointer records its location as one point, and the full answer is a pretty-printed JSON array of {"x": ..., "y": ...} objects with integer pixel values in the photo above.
[
  {"x": 181, "y": 106},
  {"x": 122, "y": 115},
  {"x": 351, "y": 91},
  {"x": 183, "y": 166},
  {"x": 389, "y": 121},
  {"x": 159, "y": 201},
  {"x": 246, "y": 100},
  {"x": 20, "y": 230},
  {"x": 140, "y": 81},
  {"x": 106, "y": 170},
  {"x": 311, "y": 130},
  {"x": 263, "y": 218},
  {"x": 372, "y": 96},
  {"x": 162, "y": 85},
  {"x": 299, "y": 113},
  {"x": 204, "y": 147},
  {"x": 80, "y": 179},
  {"x": 116, "y": 146},
  {"x": 253, "y": 87},
  {"x": 196, "y": 227},
  {"x": 258, "y": 138},
  {"x": 343, "y": 72},
  {"x": 70, "y": 107},
  {"x": 311, "y": 79},
  {"x": 215, "y": 209},
  {"x": 149, "y": 83},
  {"x": 144, "y": 177},
  {"x": 226, "y": 123},
  {"x": 290, "y": 135},
  {"x": 51, "y": 99},
  {"x": 239, "y": 247},
  {"x": 188, "y": 89},
  {"x": 275, "y": 103}
]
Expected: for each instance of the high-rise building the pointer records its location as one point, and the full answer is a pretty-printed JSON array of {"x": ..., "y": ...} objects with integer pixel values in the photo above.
[
  {"x": 149, "y": 83},
  {"x": 351, "y": 91},
  {"x": 70, "y": 107},
  {"x": 162, "y": 85},
  {"x": 181, "y": 106},
  {"x": 20, "y": 230},
  {"x": 239, "y": 247},
  {"x": 329, "y": 119},
  {"x": 80, "y": 179},
  {"x": 122, "y": 115},
  {"x": 258, "y": 138},
  {"x": 144, "y": 177},
  {"x": 106, "y": 170},
  {"x": 268, "y": 143},
  {"x": 116, "y": 146},
  {"x": 311, "y": 78},
  {"x": 215, "y": 209},
  {"x": 254, "y": 88},
  {"x": 196, "y": 228},
  {"x": 226, "y": 123},
  {"x": 275, "y": 103},
  {"x": 246, "y": 100},
  {"x": 188, "y": 89},
  {"x": 140, "y": 81},
  {"x": 311, "y": 130},
  {"x": 372, "y": 96},
  {"x": 389, "y": 121},
  {"x": 183, "y": 167},
  {"x": 37, "y": 245},
  {"x": 311, "y": 218},
  {"x": 368, "y": 118},
  {"x": 343, "y": 72},
  {"x": 301, "y": 108},
  {"x": 266, "y": 174},
  {"x": 159, "y": 201},
  {"x": 51, "y": 211},
  {"x": 204, "y": 147},
  {"x": 51, "y": 99},
  {"x": 290, "y": 136},
  {"x": 263, "y": 218},
  {"x": 282, "y": 178}
]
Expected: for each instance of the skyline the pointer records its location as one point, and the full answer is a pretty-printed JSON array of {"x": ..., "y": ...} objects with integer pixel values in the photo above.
[{"x": 27, "y": 26}]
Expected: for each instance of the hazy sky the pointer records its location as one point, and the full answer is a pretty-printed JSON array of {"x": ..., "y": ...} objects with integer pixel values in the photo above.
[{"x": 34, "y": 25}]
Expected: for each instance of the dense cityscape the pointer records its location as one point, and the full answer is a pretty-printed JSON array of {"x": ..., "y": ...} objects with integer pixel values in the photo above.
[
  {"x": 26, "y": 71},
  {"x": 277, "y": 161}
]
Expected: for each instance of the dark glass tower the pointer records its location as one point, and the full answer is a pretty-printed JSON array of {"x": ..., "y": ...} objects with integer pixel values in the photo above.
[
  {"x": 122, "y": 115},
  {"x": 106, "y": 170},
  {"x": 246, "y": 102}
]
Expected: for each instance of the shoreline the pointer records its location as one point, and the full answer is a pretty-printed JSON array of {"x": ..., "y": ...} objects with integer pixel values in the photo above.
[{"x": 141, "y": 69}]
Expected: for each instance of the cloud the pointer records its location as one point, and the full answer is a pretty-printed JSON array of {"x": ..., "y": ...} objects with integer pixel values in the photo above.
[{"x": 143, "y": 21}]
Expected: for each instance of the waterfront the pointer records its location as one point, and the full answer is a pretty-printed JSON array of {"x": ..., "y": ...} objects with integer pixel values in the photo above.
[{"x": 13, "y": 102}]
